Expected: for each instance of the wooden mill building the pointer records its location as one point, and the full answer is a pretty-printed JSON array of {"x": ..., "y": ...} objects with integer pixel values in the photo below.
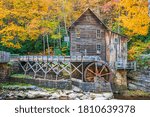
[
  {"x": 89, "y": 36},
  {"x": 96, "y": 53}
]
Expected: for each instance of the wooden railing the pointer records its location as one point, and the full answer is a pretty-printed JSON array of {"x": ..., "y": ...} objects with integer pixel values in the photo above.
[
  {"x": 123, "y": 65},
  {"x": 59, "y": 58},
  {"x": 14, "y": 57},
  {"x": 4, "y": 57}
]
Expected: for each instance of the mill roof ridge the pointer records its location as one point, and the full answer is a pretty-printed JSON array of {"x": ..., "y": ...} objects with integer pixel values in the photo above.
[{"x": 98, "y": 20}]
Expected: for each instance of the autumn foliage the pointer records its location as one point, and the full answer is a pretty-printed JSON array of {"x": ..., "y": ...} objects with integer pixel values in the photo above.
[
  {"x": 133, "y": 16},
  {"x": 22, "y": 20}
]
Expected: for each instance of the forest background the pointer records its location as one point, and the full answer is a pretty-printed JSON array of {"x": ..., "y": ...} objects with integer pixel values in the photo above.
[{"x": 40, "y": 26}]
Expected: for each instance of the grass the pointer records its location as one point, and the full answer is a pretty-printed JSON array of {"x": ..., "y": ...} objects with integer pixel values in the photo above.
[
  {"x": 16, "y": 84},
  {"x": 20, "y": 76},
  {"x": 12, "y": 84},
  {"x": 136, "y": 93},
  {"x": 50, "y": 90}
]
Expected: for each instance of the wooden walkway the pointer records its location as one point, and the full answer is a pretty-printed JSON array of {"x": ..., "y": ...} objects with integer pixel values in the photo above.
[
  {"x": 56, "y": 65},
  {"x": 84, "y": 67}
]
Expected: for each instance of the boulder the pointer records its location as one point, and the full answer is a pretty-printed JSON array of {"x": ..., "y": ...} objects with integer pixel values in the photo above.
[
  {"x": 67, "y": 92},
  {"x": 132, "y": 86},
  {"x": 21, "y": 95},
  {"x": 73, "y": 96},
  {"x": 77, "y": 99},
  {"x": 94, "y": 95},
  {"x": 100, "y": 98},
  {"x": 108, "y": 95},
  {"x": 36, "y": 94},
  {"x": 84, "y": 97},
  {"x": 79, "y": 95},
  {"x": 76, "y": 89},
  {"x": 55, "y": 96}
]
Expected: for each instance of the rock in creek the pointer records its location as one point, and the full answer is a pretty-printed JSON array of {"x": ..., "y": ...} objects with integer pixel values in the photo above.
[
  {"x": 38, "y": 93},
  {"x": 76, "y": 89}
]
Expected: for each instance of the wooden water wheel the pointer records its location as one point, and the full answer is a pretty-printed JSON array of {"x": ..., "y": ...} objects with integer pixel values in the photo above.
[{"x": 97, "y": 69}]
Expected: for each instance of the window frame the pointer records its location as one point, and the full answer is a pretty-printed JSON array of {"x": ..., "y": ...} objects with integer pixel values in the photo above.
[
  {"x": 98, "y": 48},
  {"x": 78, "y": 47},
  {"x": 78, "y": 33},
  {"x": 98, "y": 33}
]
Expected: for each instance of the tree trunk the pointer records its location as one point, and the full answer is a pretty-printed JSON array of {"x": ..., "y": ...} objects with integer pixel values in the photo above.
[
  {"x": 43, "y": 45},
  {"x": 48, "y": 45},
  {"x": 64, "y": 2},
  {"x": 60, "y": 38}
]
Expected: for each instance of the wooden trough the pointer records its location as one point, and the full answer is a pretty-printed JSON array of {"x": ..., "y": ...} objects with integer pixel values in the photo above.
[{"x": 84, "y": 68}]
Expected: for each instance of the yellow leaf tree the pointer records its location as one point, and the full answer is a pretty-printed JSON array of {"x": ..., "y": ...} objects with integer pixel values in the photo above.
[
  {"x": 21, "y": 20},
  {"x": 133, "y": 16}
]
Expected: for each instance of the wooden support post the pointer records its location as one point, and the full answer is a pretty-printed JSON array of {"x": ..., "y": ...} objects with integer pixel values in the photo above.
[{"x": 135, "y": 65}]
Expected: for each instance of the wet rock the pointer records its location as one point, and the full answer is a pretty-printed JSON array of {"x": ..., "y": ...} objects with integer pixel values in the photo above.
[
  {"x": 84, "y": 97},
  {"x": 76, "y": 99},
  {"x": 64, "y": 98},
  {"x": 67, "y": 92},
  {"x": 96, "y": 95},
  {"x": 132, "y": 86},
  {"x": 60, "y": 92},
  {"x": 80, "y": 95},
  {"x": 76, "y": 89},
  {"x": 100, "y": 98},
  {"x": 10, "y": 98},
  {"x": 21, "y": 95},
  {"x": 139, "y": 80},
  {"x": 55, "y": 96},
  {"x": 10, "y": 94},
  {"x": 52, "y": 98},
  {"x": 108, "y": 95},
  {"x": 72, "y": 96},
  {"x": 36, "y": 94}
]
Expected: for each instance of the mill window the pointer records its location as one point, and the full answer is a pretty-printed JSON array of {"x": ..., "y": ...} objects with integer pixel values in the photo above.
[
  {"x": 78, "y": 47},
  {"x": 116, "y": 40},
  {"x": 98, "y": 49},
  {"x": 77, "y": 33},
  {"x": 98, "y": 33}
]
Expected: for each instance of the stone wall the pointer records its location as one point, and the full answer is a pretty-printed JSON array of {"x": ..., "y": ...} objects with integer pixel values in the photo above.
[
  {"x": 139, "y": 80},
  {"x": 4, "y": 71},
  {"x": 15, "y": 68},
  {"x": 97, "y": 86},
  {"x": 59, "y": 84},
  {"x": 120, "y": 80}
]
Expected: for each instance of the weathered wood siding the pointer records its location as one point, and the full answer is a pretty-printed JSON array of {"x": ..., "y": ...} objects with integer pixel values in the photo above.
[
  {"x": 84, "y": 40},
  {"x": 88, "y": 25},
  {"x": 116, "y": 48}
]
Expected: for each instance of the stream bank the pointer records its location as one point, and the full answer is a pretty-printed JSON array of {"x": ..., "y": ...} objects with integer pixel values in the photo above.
[{"x": 18, "y": 91}]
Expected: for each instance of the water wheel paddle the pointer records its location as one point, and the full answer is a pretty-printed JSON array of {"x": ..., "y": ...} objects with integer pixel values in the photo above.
[{"x": 97, "y": 69}]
